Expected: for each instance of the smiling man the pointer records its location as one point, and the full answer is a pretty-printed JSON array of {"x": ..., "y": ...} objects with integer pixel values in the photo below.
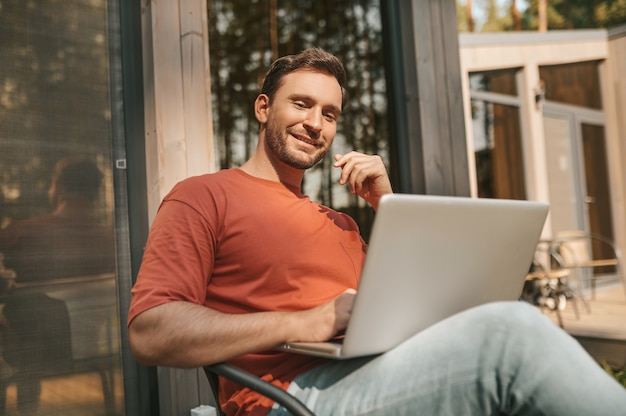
[{"x": 240, "y": 261}]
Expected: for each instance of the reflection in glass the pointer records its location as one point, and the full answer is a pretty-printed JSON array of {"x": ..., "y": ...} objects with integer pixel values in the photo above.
[
  {"x": 577, "y": 84},
  {"x": 598, "y": 195},
  {"x": 497, "y": 136},
  {"x": 60, "y": 326},
  {"x": 67, "y": 242},
  {"x": 501, "y": 81},
  {"x": 563, "y": 190},
  {"x": 498, "y": 150}
]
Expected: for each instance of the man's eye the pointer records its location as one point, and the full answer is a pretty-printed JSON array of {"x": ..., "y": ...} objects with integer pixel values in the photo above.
[
  {"x": 299, "y": 104},
  {"x": 330, "y": 117}
]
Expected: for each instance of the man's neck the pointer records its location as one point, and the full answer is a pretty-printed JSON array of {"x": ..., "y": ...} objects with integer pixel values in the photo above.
[
  {"x": 74, "y": 208},
  {"x": 262, "y": 167}
]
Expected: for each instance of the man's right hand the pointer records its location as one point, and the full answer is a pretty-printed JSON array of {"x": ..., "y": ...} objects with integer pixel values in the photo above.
[{"x": 325, "y": 321}]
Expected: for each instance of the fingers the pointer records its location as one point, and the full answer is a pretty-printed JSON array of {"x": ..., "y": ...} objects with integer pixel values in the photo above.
[
  {"x": 343, "y": 309},
  {"x": 365, "y": 174},
  {"x": 324, "y": 321},
  {"x": 345, "y": 301},
  {"x": 357, "y": 168}
]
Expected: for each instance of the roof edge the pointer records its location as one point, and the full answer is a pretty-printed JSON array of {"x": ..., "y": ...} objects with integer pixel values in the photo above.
[
  {"x": 617, "y": 31},
  {"x": 530, "y": 37}
]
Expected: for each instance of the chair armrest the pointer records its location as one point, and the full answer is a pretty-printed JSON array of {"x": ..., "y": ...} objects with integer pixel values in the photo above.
[{"x": 289, "y": 402}]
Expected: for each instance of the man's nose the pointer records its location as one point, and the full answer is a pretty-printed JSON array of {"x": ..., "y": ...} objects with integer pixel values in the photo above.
[{"x": 314, "y": 120}]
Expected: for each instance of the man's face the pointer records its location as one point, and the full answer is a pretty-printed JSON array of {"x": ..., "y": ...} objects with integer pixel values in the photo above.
[{"x": 302, "y": 118}]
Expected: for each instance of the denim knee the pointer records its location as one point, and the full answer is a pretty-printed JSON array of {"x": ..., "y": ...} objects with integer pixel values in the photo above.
[{"x": 515, "y": 315}]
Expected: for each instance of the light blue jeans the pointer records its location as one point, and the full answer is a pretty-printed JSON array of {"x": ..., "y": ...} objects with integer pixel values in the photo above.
[{"x": 501, "y": 358}]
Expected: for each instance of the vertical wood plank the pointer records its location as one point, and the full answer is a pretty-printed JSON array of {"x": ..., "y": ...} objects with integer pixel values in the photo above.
[
  {"x": 450, "y": 175},
  {"x": 454, "y": 93},
  {"x": 169, "y": 105},
  {"x": 179, "y": 140},
  {"x": 614, "y": 86},
  {"x": 432, "y": 85},
  {"x": 196, "y": 87}
]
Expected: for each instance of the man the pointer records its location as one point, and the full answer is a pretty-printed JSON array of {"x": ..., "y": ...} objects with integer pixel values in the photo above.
[
  {"x": 69, "y": 241},
  {"x": 240, "y": 261}
]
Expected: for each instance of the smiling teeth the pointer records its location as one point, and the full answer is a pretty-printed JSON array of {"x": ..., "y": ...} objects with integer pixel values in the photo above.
[{"x": 305, "y": 139}]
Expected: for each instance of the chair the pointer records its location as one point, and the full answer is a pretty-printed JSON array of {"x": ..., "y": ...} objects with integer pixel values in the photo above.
[
  {"x": 549, "y": 288},
  {"x": 61, "y": 327},
  {"x": 591, "y": 255},
  {"x": 245, "y": 379}
]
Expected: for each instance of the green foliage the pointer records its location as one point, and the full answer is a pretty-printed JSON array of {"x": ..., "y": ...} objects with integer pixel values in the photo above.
[
  {"x": 618, "y": 373},
  {"x": 498, "y": 19},
  {"x": 613, "y": 14},
  {"x": 577, "y": 14},
  {"x": 561, "y": 14}
]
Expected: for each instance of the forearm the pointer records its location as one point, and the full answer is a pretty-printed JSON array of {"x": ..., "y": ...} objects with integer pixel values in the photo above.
[{"x": 186, "y": 335}]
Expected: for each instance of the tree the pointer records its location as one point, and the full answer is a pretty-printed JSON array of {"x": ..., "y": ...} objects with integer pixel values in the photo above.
[
  {"x": 469, "y": 15},
  {"x": 516, "y": 16},
  {"x": 497, "y": 20},
  {"x": 541, "y": 14},
  {"x": 575, "y": 14}
]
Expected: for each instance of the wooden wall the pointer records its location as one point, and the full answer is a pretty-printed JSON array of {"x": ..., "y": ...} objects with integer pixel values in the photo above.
[
  {"x": 178, "y": 118},
  {"x": 615, "y": 109},
  {"x": 179, "y": 137}
]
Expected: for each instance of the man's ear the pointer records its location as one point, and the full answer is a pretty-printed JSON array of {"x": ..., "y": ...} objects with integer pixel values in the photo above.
[{"x": 261, "y": 107}]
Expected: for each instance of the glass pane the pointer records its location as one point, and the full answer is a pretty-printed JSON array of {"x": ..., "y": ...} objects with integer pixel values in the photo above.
[
  {"x": 60, "y": 328},
  {"x": 576, "y": 84},
  {"x": 246, "y": 36},
  {"x": 564, "y": 200},
  {"x": 598, "y": 198},
  {"x": 498, "y": 151},
  {"x": 502, "y": 82}
]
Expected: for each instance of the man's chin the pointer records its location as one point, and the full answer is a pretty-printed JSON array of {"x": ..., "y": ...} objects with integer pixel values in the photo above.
[
  {"x": 307, "y": 161},
  {"x": 301, "y": 164}
]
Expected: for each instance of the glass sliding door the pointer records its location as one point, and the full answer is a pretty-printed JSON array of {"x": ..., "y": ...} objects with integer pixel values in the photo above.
[
  {"x": 578, "y": 176},
  {"x": 60, "y": 332},
  {"x": 597, "y": 199},
  {"x": 565, "y": 197}
]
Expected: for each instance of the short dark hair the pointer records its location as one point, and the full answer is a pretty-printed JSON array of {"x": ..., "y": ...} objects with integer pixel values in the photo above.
[
  {"x": 79, "y": 177},
  {"x": 313, "y": 59}
]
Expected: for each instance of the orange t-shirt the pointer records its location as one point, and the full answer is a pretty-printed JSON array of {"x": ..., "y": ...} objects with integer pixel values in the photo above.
[{"x": 240, "y": 244}]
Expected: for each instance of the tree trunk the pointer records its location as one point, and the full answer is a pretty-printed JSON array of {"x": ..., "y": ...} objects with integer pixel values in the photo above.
[
  {"x": 468, "y": 16},
  {"x": 543, "y": 16},
  {"x": 515, "y": 17}
]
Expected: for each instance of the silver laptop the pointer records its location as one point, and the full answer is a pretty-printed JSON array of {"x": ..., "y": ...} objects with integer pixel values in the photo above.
[{"x": 430, "y": 257}]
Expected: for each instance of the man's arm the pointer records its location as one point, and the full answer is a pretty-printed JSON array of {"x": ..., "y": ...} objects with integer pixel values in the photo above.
[
  {"x": 366, "y": 175},
  {"x": 186, "y": 335}
]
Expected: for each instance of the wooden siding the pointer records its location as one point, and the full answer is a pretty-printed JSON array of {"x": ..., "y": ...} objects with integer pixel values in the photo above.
[
  {"x": 179, "y": 137},
  {"x": 614, "y": 89},
  {"x": 178, "y": 118}
]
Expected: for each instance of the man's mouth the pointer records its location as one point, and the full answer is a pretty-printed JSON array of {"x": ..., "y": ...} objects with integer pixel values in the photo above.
[{"x": 305, "y": 139}]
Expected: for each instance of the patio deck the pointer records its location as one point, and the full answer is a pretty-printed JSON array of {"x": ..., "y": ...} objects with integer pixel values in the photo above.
[{"x": 602, "y": 329}]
